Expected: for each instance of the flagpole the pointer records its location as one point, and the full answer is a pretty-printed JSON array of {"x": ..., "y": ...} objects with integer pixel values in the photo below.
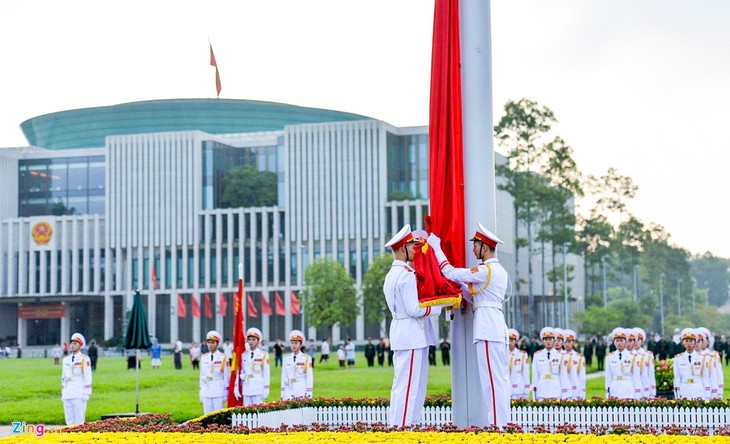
[{"x": 479, "y": 189}]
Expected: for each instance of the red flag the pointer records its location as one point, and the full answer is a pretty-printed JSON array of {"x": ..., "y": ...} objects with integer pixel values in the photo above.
[
  {"x": 182, "y": 310},
  {"x": 251, "y": 307},
  {"x": 280, "y": 310},
  {"x": 446, "y": 157},
  {"x": 295, "y": 308},
  {"x": 223, "y": 304},
  {"x": 265, "y": 306},
  {"x": 239, "y": 346},
  {"x": 153, "y": 277},
  {"x": 217, "y": 73},
  {"x": 194, "y": 306},
  {"x": 208, "y": 309}
]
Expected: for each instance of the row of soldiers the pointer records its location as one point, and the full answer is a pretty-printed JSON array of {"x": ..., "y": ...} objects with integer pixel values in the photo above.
[{"x": 558, "y": 371}]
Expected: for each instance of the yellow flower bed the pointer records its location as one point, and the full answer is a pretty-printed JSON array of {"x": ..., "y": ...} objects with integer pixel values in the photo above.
[{"x": 354, "y": 437}]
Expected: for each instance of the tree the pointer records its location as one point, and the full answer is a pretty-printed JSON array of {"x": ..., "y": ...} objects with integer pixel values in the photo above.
[
  {"x": 711, "y": 272},
  {"x": 245, "y": 186},
  {"x": 373, "y": 299},
  {"x": 329, "y": 295}
]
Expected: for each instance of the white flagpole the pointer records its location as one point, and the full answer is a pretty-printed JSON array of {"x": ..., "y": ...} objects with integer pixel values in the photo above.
[{"x": 479, "y": 193}]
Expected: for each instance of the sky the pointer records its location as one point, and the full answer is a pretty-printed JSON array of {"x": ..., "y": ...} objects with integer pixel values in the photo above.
[{"x": 639, "y": 85}]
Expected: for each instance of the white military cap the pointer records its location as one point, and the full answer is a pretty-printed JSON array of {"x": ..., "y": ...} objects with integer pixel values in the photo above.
[
  {"x": 631, "y": 334},
  {"x": 570, "y": 335},
  {"x": 255, "y": 332},
  {"x": 513, "y": 334},
  {"x": 688, "y": 333},
  {"x": 547, "y": 332},
  {"x": 296, "y": 335},
  {"x": 559, "y": 333},
  {"x": 401, "y": 238},
  {"x": 640, "y": 333},
  {"x": 706, "y": 332},
  {"x": 78, "y": 337},
  {"x": 486, "y": 236},
  {"x": 214, "y": 335},
  {"x": 619, "y": 333},
  {"x": 701, "y": 336}
]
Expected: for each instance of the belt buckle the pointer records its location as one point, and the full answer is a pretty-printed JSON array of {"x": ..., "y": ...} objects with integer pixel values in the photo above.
[
  {"x": 548, "y": 376},
  {"x": 619, "y": 378},
  {"x": 250, "y": 376},
  {"x": 210, "y": 378},
  {"x": 690, "y": 381},
  {"x": 292, "y": 380}
]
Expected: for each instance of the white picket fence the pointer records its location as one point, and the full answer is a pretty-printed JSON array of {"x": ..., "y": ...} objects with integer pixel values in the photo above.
[{"x": 527, "y": 417}]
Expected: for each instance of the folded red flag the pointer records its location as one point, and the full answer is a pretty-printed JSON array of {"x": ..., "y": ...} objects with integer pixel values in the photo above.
[{"x": 433, "y": 287}]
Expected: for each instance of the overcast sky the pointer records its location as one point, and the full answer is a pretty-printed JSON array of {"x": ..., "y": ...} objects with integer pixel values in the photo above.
[{"x": 642, "y": 86}]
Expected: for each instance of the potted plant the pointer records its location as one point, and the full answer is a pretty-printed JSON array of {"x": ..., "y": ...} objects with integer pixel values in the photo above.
[{"x": 664, "y": 375}]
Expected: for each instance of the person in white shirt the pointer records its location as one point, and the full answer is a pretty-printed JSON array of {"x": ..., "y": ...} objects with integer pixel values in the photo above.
[
  {"x": 519, "y": 367},
  {"x": 648, "y": 379},
  {"x": 714, "y": 366},
  {"x": 75, "y": 381},
  {"x": 255, "y": 373},
  {"x": 297, "y": 373},
  {"x": 324, "y": 351},
  {"x": 215, "y": 374}
]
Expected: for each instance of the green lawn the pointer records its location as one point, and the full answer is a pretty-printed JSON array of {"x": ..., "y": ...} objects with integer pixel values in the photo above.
[{"x": 32, "y": 387}]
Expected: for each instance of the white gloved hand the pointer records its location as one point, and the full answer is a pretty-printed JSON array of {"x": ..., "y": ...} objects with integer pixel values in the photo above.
[
  {"x": 237, "y": 392},
  {"x": 434, "y": 241}
]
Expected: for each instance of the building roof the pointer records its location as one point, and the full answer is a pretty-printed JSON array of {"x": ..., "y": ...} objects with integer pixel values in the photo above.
[{"x": 87, "y": 127}]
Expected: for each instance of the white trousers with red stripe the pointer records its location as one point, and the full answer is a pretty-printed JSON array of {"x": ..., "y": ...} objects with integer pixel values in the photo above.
[
  {"x": 409, "y": 387},
  {"x": 493, "y": 362}
]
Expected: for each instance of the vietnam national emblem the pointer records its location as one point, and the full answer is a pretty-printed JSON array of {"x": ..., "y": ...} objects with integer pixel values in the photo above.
[{"x": 42, "y": 233}]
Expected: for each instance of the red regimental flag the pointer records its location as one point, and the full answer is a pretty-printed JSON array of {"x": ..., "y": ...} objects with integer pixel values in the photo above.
[
  {"x": 208, "y": 309},
  {"x": 252, "y": 312},
  {"x": 280, "y": 309},
  {"x": 239, "y": 346},
  {"x": 446, "y": 157},
  {"x": 182, "y": 309},
  {"x": 223, "y": 304},
  {"x": 295, "y": 307},
  {"x": 194, "y": 306},
  {"x": 265, "y": 306},
  {"x": 217, "y": 73}
]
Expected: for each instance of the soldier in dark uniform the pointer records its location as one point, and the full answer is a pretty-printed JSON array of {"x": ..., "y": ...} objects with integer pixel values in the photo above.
[
  {"x": 93, "y": 354},
  {"x": 600, "y": 353},
  {"x": 380, "y": 350},
  {"x": 370, "y": 352}
]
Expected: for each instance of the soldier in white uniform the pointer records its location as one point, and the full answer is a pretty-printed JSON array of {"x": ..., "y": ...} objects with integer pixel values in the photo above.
[
  {"x": 519, "y": 367},
  {"x": 549, "y": 377},
  {"x": 632, "y": 348},
  {"x": 409, "y": 339},
  {"x": 559, "y": 338},
  {"x": 75, "y": 381},
  {"x": 623, "y": 377},
  {"x": 576, "y": 366},
  {"x": 691, "y": 372},
  {"x": 215, "y": 373},
  {"x": 648, "y": 379},
  {"x": 255, "y": 374},
  {"x": 486, "y": 289},
  {"x": 716, "y": 371},
  {"x": 297, "y": 372}
]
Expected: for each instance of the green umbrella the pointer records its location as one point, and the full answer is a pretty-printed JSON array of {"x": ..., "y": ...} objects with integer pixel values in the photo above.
[{"x": 138, "y": 335}]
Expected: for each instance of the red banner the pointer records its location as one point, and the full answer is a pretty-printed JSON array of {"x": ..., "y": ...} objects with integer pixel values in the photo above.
[
  {"x": 280, "y": 309},
  {"x": 217, "y": 73},
  {"x": 252, "y": 312},
  {"x": 195, "y": 306},
  {"x": 182, "y": 309},
  {"x": 208, "y": 309},
  {"x": 41, "y": 311},
  {"x": 223, "y": 305},
  {"x": 295, "y": 308},
  {"x": 265, "y": 306}
]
